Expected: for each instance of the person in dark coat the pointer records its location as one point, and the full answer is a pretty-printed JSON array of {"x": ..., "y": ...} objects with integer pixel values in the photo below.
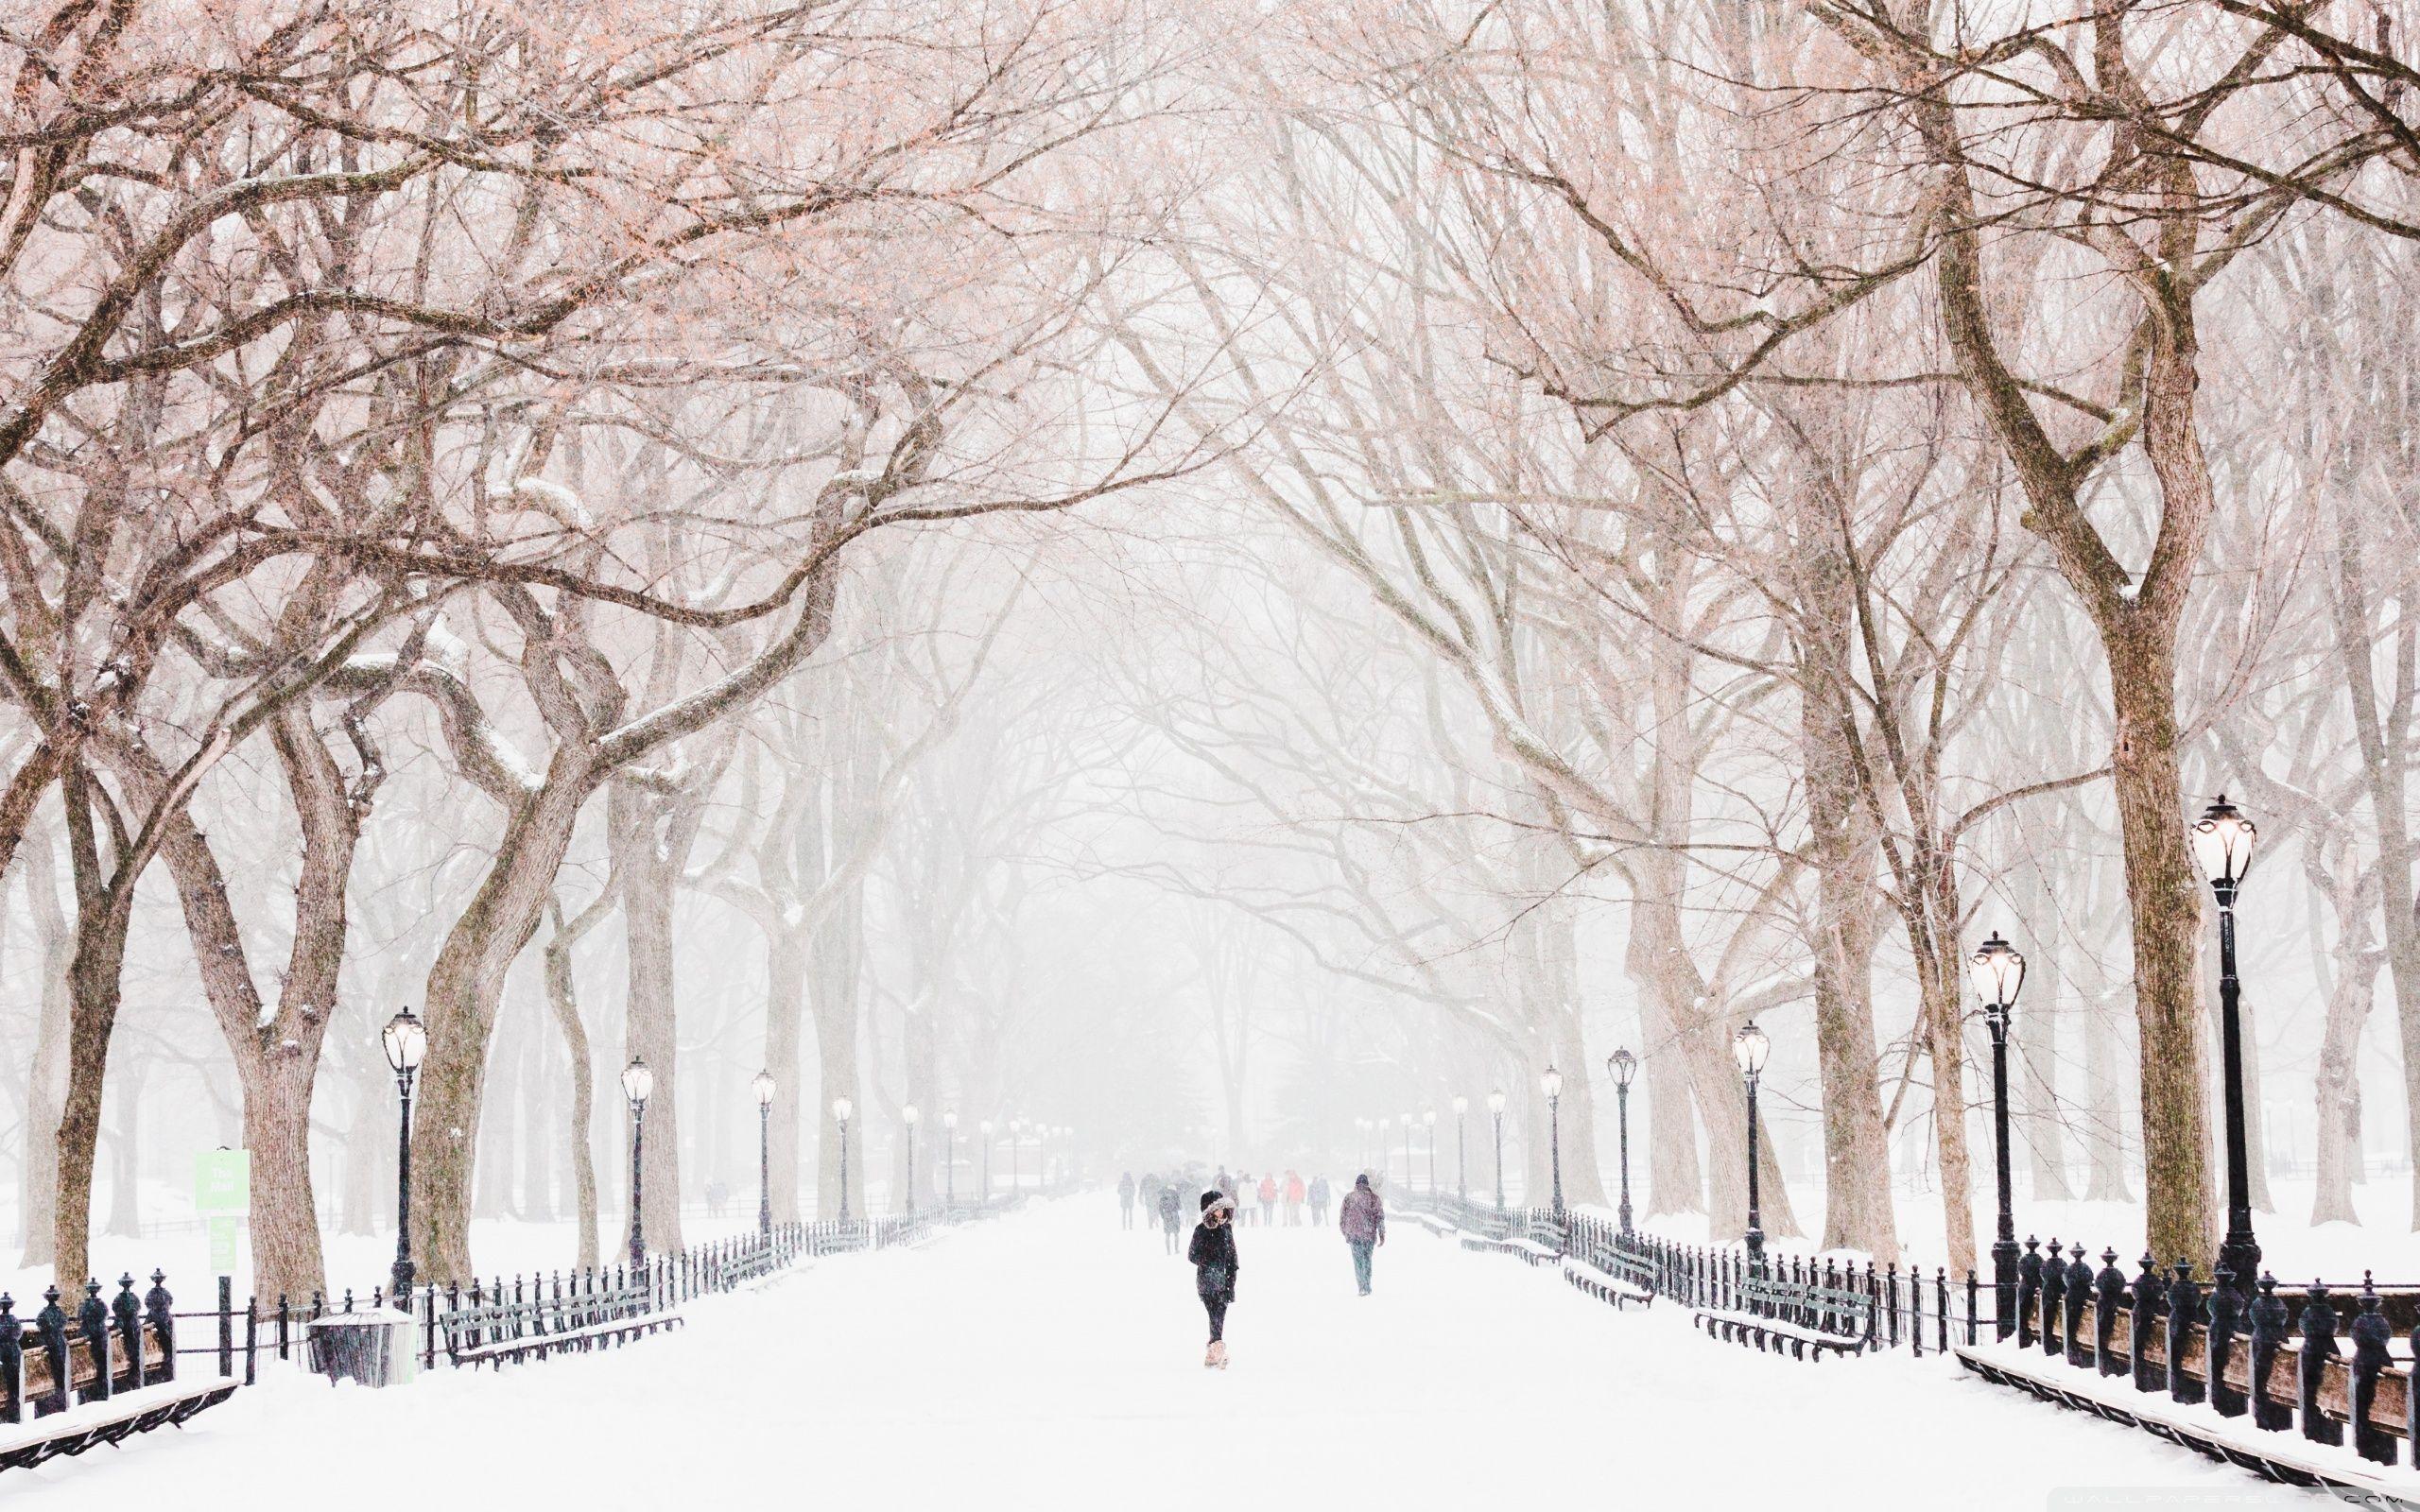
[
  {"x": 1213, "y": 1253},
  {"x": 1126, "y": 1197},
  {"x": 1363, "y": 1218},
  {"x": 1171, "y": 1215}
]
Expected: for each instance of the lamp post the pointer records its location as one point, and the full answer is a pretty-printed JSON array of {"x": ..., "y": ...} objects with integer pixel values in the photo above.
[
  {"x": 949, "y": 1159},
  {"x": 1461, "y": 1150},
  {"x": 406, "y": 1040},
  {"x": 1495, "y": 1107},
  {"x": 1429, "y": 1123},
  {"x": 841, "y": 1108},
  {"x": 1016, "y": 1136},
  {"x": 2222, "y": 843},
  {"x": 637, "y": 1082},
  {"x": 910, "y": 1115},
  {"x": 1551, "y": 1084},
  {"x": 1998, "y": 972},
  {"x": 764, "y": 1152},
  {"x": 1407, "y": 1166},
  {"x": 1749, "y": 1046},
  {"x": 984, "y": 1129},
  {"x": 1621, "y": 1065}
]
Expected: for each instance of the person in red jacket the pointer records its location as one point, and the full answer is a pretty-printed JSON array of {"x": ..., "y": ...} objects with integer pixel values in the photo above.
[
  {"x": 1267, "y": 1200},
  {"x": 1363, "y": 1218},
  {"x": 1293, "y": 1198}
]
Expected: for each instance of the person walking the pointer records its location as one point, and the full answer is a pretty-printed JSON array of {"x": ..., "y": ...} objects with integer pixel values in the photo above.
[
  {"x": 1171, "y": 1215},
  {"x": 1319, "y": 1195},
  {"x": 1293, "y": 1199},
  {"x": 1126, "y": 1197},
  {"x": 1215, "y": 1263},
  {"x": 1363, "y": 1218},
  {"x": 1267, "y": 1200}
]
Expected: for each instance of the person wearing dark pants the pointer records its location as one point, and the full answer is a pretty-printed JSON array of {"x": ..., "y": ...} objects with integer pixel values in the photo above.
[
  {"x": 1126, "y": 1198},
  {"x": 1214, "y": 1265},
  {"x": 1363, "y": 1218},
  {"x": 1171, "y": 1215}
]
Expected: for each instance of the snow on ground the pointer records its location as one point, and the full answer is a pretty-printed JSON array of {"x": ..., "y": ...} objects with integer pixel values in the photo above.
[{"x": 1050, "y": 1360}]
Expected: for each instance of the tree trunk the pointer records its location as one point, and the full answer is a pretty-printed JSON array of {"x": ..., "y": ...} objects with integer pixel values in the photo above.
[
  {"x": 2034, "y": 1040},
  {"x": 833, "y": 1002},
  {"x": 2164, "y": 906},
  {"x": 47, "y": 1085},
  {"x": 465, "y": 986},
  {"x": 784, "y": 1006},
  {"x": 581, "y": 1074}
]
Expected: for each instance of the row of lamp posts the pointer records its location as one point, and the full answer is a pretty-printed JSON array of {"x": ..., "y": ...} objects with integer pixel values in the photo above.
[{"x": 406, "y": 1041}]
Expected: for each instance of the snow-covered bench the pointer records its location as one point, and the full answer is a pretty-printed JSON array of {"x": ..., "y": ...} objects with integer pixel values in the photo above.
[
  {"x": 495, "y": 1332},
  {"x": 1605, "y": 1285},
  {"x": 99, "y": 1376},
  {"x": 1800, "y": 1318}
]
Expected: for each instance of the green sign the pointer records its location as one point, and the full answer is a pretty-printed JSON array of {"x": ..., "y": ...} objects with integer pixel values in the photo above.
[
  {"x": 222, "y": 1246},
  {"x": 222, "y": 1182}
]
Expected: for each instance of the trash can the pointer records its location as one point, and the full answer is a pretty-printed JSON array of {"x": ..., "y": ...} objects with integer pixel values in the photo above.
[{"x": 374, "y": 1348}]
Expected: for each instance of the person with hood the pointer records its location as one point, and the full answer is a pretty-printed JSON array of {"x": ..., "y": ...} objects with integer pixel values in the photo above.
[
  {"x": 1363, "y": 1218},
  {"x": 1171, "y": 1215},
  {"x": 1214, "y": 1265},
  {"x": 1319, "y": 1196},
  {"x": 1126, "y": 1197}
]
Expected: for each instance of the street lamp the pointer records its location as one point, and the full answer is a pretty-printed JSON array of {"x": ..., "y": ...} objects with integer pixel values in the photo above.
[
  {"x": 1461, "y": 1150},
  {"x": 984, "y": 1129},
  {"x": 1998, "y": 972},
  {"x": 1428, "y": 1122},
  {"x": 1016, "y": 1136},
  {"x": 1621, "y": 1065},
  {"x": 1495, "y": 1107},
  {"x": 910, "y": 1115},
  {"x": 949, "y": 1159},
  {"x": 1551, "y": 1084},
  {"x": 1407, "y": 1152},
  {"x": 637, "y": 1082},
  {"x": 841, "y": 1108},
  {"x": 763, "y": 1085},
  {"x": 2222, "y": 843},
  {"x": 1749, "y": 1047},
  {"x": 406, "y": 1039}
]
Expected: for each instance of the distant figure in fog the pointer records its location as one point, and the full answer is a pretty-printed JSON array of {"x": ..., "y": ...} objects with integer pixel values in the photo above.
[
  {"x": 1363, "y": 1218},
  {"x": 1171, "y": 1215},
  {"x": 1213, "y": 1253},
  {"x": 1126, "y": 1197},
  {"x": 1319, "y": 1195},
  {"x": 1293, "y": 1199},
  {"x": 1267, "y": 1200}
]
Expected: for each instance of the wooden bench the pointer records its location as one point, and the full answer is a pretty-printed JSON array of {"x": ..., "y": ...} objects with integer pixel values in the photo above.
[
  {"x": 99, "y": 1376},
  {"x": 1609, "y": 1286},
  {"x": 1805, "y": 1320},
  {"x": 496, "y": 1331}
]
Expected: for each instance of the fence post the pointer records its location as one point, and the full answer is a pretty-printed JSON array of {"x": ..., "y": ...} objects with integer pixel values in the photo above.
[
  {"x": 2079, "y": 1350},
  {"x": 2029, "y": 1288},
  {"x": 2220, "y": 1352},
  {"x": 160, "y": 1307},
  {"x": 2371, "y": 1332},
  {"x": 13, "y": 1363},
  {"x": 2054, "y": 1288},
  {"x": 252, "y": 1340},
  {"x": 2319, "y": 1347},
  {"x": 52, "y": 1321},
  {"x": 126, "y": 1314},
  {"x": 226, "y": 1325},
  {"x": 1972, "y": 1291},
  {"x": 2108, "y": 1299},
  {"x": 2268, "y": 1337},
  {"x": 2145, "y": 1318},
  {"x": 284, "y": 1325},
  {"x": 2184, "y": 1305}
]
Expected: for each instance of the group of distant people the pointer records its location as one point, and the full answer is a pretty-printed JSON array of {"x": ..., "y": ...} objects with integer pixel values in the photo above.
[{"x": 1229, "y": 1200}]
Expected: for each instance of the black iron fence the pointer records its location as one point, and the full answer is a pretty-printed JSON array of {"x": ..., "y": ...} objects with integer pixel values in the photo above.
[{"x": 1797, "y": 1303}]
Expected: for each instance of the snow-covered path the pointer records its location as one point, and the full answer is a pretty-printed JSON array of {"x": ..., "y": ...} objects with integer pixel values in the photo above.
[{"x": 1051, "y": 1360}]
